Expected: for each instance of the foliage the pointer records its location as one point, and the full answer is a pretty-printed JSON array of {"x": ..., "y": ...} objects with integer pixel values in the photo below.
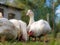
[{"x": 40, "y": 10}]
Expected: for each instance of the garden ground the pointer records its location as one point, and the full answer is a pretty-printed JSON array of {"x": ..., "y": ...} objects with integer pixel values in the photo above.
[{"x": 52, "y": 41}]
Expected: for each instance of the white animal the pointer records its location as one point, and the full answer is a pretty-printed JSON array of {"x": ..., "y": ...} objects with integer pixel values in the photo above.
[
  {"x": 21, "y": 28},
  {"x": 16, "y": 24},
  {"x": 7, "y": 29},
  {"x": 40, "y": 27},
  {"x": 31, "y": 16},
  {"x": 37, "y": 28}
]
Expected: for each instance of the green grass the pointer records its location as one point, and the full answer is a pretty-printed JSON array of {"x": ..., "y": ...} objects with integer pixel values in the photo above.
[{"x": 52, "y": 41}]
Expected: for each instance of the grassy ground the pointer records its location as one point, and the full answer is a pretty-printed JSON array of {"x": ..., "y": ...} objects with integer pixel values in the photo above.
[{"x": 52, "y": 41}]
